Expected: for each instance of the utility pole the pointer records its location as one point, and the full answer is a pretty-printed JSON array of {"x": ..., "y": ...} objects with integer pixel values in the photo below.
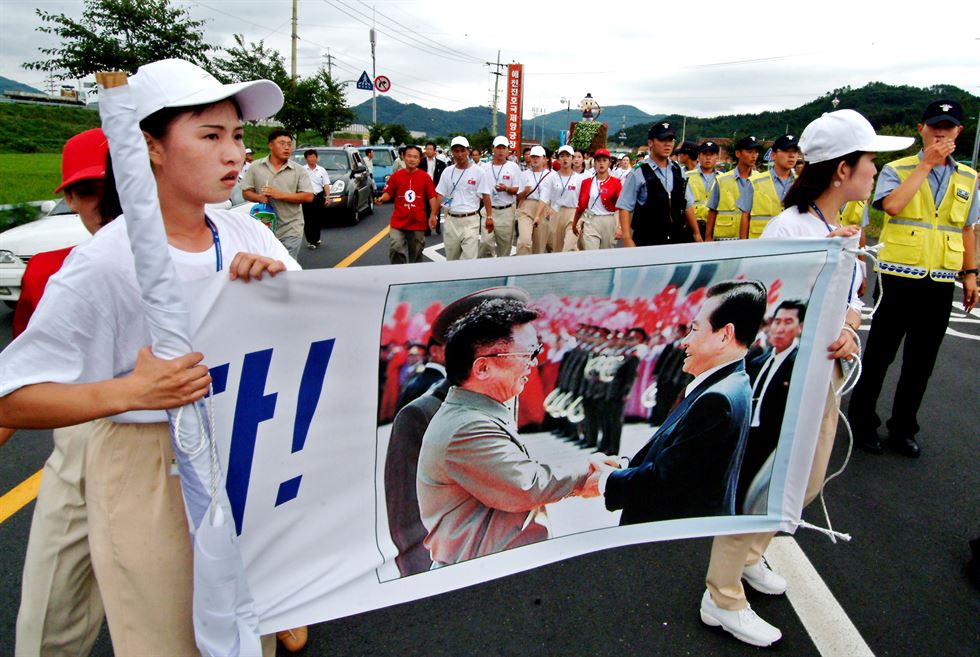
[
  {"x": 293, "y": 54},
  {"x": 684, "y": 130},
  {"x": 329, "y": 59},
  {"x": 496, "y": 87},
  {"x": 374, "y": 75}
]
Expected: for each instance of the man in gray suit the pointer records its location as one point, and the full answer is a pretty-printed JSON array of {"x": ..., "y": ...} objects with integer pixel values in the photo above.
[
  {"x": 401, "y": 462},
  {"x": 479, "y": 490}
]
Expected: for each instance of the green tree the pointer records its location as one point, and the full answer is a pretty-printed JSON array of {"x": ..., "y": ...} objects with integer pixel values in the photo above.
[
  {"x": 376, "y": 133},
  {"x": 315, "y": 103},
  {"x": 250, "y": 61},
  {"x": 389, "y": 133},
  {"x": 481, "y": 139},
  {"x": 398, "y": 134},
  {"x": 119, "y": 35}
]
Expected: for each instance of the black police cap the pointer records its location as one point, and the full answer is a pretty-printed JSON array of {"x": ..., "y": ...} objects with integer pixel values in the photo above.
[
  {"x": 710, "y": 147},
  {"x": 943, "y": 110},
  {"x": 785, "y": 143},
  {"x": 662, "y": 130},
  {"x": 746, "y": 143}
]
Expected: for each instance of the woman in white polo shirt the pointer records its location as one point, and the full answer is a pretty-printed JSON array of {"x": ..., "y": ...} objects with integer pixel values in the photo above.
[
  {"x": 84, "y": 355},
  {"x": 839, "y": 149}
]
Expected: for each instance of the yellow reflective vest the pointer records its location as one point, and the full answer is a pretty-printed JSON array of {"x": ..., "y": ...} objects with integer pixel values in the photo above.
[
  {"x": 853, "y": 213},
  {"x": 696, "y": 184},
  {"x": 923, "y": 239},
  {"x": 765, "y": 203},
  {"x": 729, "y": 218}
]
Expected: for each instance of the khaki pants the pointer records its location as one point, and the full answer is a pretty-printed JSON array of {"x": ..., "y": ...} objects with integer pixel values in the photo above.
[
  {"x": 60, "y": 606},
  {"x": 499, "y": 242},
  {"x": 562, "y": 237},
  {"x": 531, "y": 238},
  {"x": 461, "y": 236},
  {"x": 141, "y": 549},
  {"x": 599, "y": 231},
  {"x": 405, "y": 246},
  {"x": 730, "y": 554}
]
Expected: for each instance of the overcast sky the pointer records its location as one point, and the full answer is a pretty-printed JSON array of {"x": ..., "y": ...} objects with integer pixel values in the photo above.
[{"x": 701, "y": 59}]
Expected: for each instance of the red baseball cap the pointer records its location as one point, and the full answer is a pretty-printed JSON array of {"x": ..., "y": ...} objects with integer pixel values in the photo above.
[
  {"x": 83, "y": 158},
  {"x": 602, "y": 152}
]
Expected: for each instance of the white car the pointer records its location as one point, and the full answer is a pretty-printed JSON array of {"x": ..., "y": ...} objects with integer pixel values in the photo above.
[{"x": 60, "y": 229}]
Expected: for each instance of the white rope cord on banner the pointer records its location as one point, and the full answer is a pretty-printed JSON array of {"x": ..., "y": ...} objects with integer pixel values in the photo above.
[
  {"x": 206, "y": 440},
  {"x": 850, "y": 381}
]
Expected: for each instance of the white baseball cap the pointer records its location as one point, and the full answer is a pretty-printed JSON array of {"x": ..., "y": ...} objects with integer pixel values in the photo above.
[
  {"x": 537, "y": 150},
  {"x": 459, "y": 141},
  {"x": 179, "y": 83},
  {"x": 247, "y": 151},
  {"x": 501, "y": 141},
  {"x": 845, "y": 131},
  {"x": 566, "y": 149}
]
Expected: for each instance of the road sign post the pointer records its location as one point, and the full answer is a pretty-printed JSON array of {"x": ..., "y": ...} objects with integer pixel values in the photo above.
[{"x": 364, "y": 82}]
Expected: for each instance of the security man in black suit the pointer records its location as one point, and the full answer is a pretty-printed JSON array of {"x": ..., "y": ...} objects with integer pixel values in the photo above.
[
  {"x": 618, "y": 389},
  {"x": 770, "y": 373},
  {"x": 653, "y": 204},
  {"x": 433, "y": 166}
]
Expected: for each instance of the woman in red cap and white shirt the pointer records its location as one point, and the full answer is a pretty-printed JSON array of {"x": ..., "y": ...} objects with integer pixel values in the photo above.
[
  {"x": 60, "y": 605},
  {"x": 597, "y": 203}
]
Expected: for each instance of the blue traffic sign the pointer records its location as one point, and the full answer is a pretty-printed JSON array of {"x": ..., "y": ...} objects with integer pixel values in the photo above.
[{"x": 364, "y": 82}]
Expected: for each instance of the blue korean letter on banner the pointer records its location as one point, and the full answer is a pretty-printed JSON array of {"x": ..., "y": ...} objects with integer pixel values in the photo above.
[{"x": 360, "y": 476}]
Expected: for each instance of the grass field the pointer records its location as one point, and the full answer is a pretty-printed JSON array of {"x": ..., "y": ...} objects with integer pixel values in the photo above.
[{"x": 28, "y": 176}]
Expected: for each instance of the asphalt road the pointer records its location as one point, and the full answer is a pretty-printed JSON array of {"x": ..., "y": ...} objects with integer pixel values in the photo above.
[{"x": 901, "y": 581}]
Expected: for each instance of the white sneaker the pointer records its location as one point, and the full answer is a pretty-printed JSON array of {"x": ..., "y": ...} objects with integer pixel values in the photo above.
[
  {"x": 743, "y": 624},
  {"x": 760, "y": 577}
]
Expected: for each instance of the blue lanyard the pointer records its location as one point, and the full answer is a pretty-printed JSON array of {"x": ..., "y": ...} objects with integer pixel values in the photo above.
[
  {"x": 217, "y": 244},
  {"x": 850, "y": 290}
]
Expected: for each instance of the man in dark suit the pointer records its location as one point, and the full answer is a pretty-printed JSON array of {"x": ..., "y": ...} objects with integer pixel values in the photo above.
[
  {"x": 401, "y": 463},
  {"x": 434, "y": 167},
  {"x": 690, "y": 466},
  {"x": 433, "y": 372},
  {"x": 770, "y": 374}
]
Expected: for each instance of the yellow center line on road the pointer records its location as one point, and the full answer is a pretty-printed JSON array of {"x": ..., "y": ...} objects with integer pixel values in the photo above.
[
  {"x": 19, "y": 496},
  {"x": 362, "y": 249},
  {"x": 24, "y": 493}
]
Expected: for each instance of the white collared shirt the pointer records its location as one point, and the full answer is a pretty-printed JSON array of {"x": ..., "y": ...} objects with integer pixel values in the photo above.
[
  {"x": 699, "y": 379},
  {"x": 773, "y": 363}
]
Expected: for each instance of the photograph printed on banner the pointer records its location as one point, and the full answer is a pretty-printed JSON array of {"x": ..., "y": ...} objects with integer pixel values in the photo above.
[{"x": 516, "y": 409}]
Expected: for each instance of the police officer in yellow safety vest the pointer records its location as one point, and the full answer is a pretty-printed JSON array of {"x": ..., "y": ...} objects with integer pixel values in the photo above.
[
  {"x": 930, "y": 203},
  {"x": 700, "y": 182},
  {"x": 765, "y": 198},
  {"x": 728, "y": 199}
]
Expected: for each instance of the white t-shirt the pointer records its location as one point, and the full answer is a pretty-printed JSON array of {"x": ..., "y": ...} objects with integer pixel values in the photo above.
[
  {"x": 508, "y": 174},
  {"x": 530, "y": 179},
  {"x": 90, "y": 323},
  {"x": 791, "y": 223},
  {"x": 319, "y": 178},
  {"x": 595, "y": 204},
  {"x": 463, "y": 189},
  {"x": 564, "y": 189}
]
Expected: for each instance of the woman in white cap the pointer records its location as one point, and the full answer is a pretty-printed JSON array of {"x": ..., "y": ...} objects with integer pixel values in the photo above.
[
  {"x": 840, "y": 149},
  {"x": 84, "y": 356}
]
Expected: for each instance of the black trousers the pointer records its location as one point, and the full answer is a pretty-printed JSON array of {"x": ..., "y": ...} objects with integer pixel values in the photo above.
[
  {"x": 612, "y": 426},
  {"x": 313, "y": 217},
  {"x": 916, "y": 309}
]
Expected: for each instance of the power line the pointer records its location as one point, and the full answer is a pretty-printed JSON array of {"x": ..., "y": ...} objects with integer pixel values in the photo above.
[
  {"x": 420, "y": 46},
  {"x": 475, "y": 60}
]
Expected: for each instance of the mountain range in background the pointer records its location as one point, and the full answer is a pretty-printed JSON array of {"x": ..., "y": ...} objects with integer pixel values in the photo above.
[
  {"x": 443, "y": 123},
  {"x": 6, "y": 84},
  {"x": 888, "y": 107}
]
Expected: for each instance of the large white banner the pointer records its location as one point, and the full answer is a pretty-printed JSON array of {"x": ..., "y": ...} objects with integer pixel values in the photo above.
[{"x": 301, "y": 380}]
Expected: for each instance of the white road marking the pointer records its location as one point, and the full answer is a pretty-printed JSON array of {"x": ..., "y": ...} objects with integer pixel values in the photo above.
[{"x": 829, "y": 627}]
